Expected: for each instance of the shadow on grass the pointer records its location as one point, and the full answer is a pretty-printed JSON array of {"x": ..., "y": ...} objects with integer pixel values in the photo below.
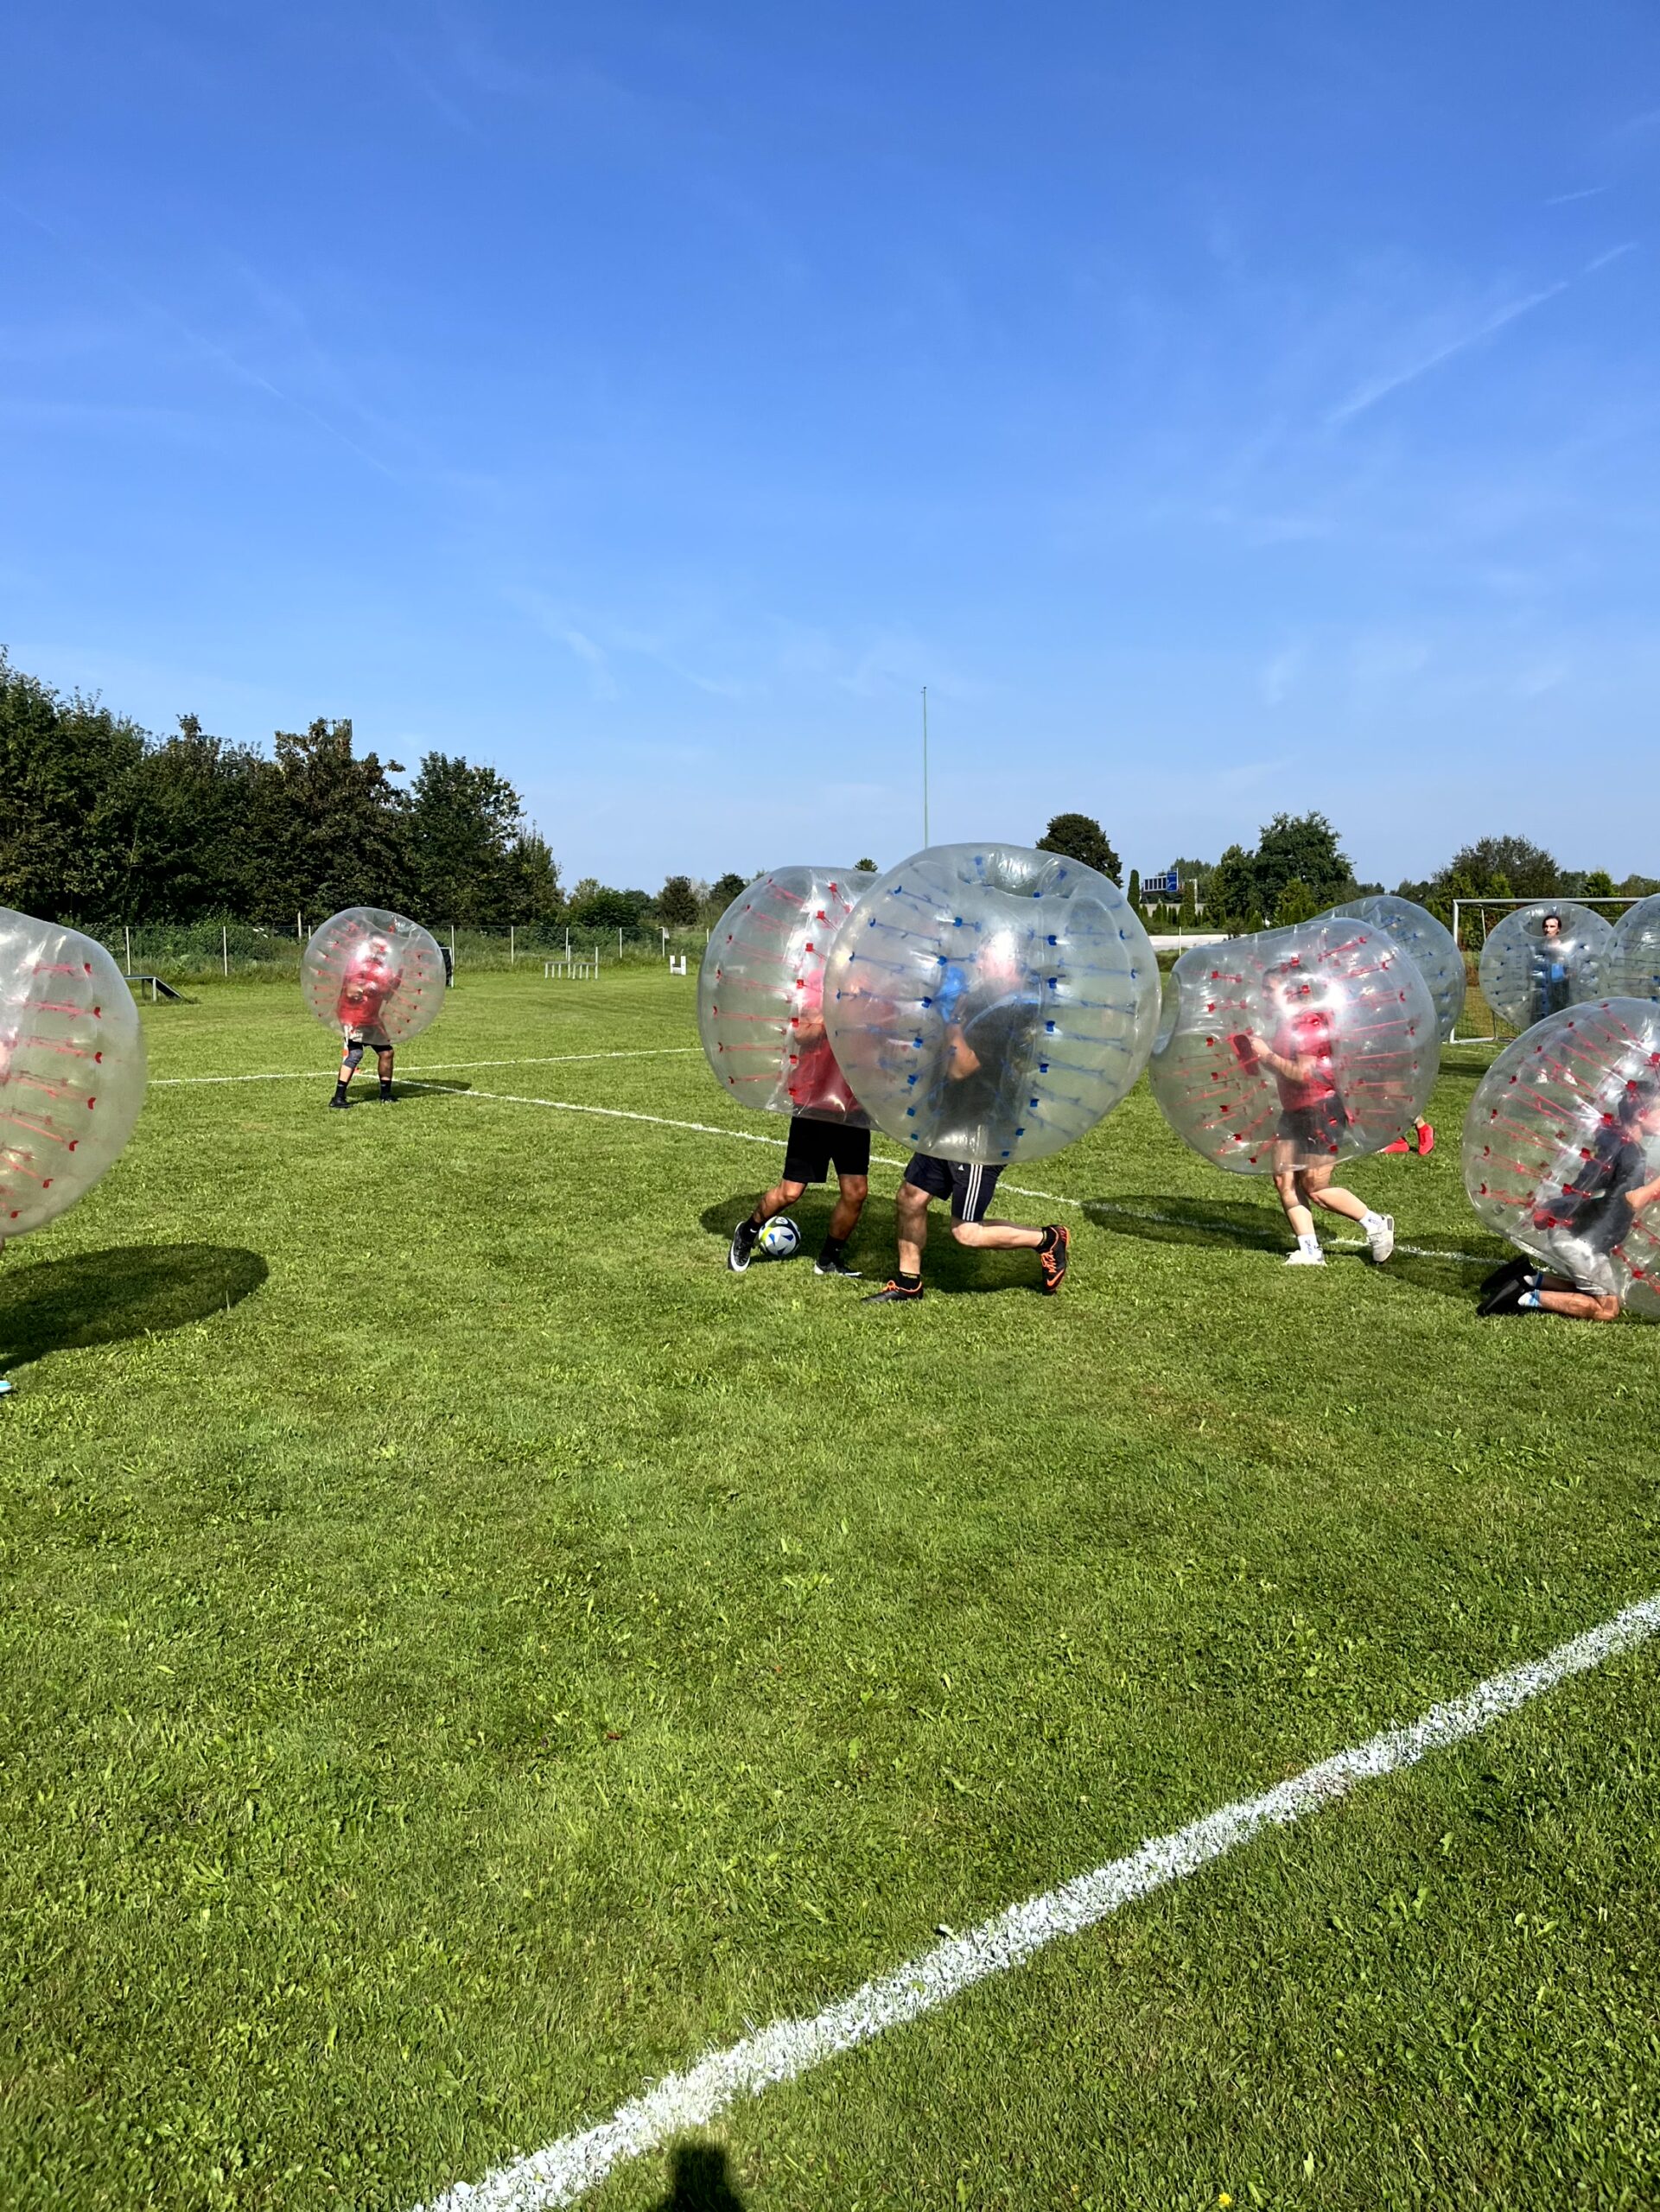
[
  {"x": 1216, "y": 1224},
  {"x": 698, "y": 2182},
  {"x": 101, "y": 1298},
  {"x": 407, "y": 1091}
]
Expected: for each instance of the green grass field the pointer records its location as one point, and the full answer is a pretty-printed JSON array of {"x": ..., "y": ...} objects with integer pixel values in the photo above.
[{"x": 466, "y": 1654}]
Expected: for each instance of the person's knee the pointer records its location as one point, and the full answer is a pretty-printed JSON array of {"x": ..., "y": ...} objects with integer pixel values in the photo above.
[
  {"x": 792, "y": 1193},
  {"x": 855, "y": 1189},
  {"x": 966, "y": 1232},
  {"x": 911, "y": 1201},
  {"x": 1605, "y": 1308},
  {"x": 1285, "y": 1182}
]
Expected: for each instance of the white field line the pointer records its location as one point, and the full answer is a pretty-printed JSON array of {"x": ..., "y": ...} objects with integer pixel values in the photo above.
[
  {"x": 1019, "y": 1190},
  {"x": 426, "y": 1067},
  {"x": 567, "y": 2169}
]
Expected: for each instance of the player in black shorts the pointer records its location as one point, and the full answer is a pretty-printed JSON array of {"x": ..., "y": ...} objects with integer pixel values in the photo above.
[
  {"x": 1590, "y": 1216},
  {"x": 975, "y": 1066},
  {"x": 814, "y": 1148}
]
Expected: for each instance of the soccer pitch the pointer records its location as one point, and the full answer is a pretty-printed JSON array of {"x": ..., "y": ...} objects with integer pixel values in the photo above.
[{"x": 468, "y": 1657}]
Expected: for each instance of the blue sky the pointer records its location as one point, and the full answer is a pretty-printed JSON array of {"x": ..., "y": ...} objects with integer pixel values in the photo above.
[{"x": 1219, "y": 408}]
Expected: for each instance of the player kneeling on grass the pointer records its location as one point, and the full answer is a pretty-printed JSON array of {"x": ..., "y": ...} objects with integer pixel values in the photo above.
[
  {"x": 1313, "y": 1118},
  {"x": 968, "y": 1188},
  {"x": 814, "y": 1148},
  {"x": 1595, "y": 1210}
]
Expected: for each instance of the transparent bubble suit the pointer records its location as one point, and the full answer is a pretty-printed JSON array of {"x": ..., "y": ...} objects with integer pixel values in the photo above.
[
  {"x": 72, "y": 1068},
  {"x": 1563, "y": 1125},
  {"x": 1339, "y": 1002},
  {"x": 761, "y": 995},
  {"x": 374, "y": 972},
  {"x": 1415, "y": 929},
  {"x": 990, "y": 1003},
  {"x": 1525, "y": 974},
  {"x": 1631, "y": 966}
]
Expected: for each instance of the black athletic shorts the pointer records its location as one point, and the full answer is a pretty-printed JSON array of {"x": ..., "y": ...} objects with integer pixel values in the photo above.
[
  {"x": 968, "y": 1189},
  {"x": 817, "y": 1147}
]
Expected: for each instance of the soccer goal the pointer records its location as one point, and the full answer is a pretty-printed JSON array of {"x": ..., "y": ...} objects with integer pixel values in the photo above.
[{"x": 1474, "y": 917}]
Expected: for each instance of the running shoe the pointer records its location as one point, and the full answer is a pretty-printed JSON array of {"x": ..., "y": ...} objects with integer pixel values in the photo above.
[
  {"x": 1506, "y": 1298},
  {"x": 340, "y": 1103},
  {"x": 1382, "y": 1240},
  {"x": 893, "y": 1294},
  {"x": 742, "y": 1247},
  {"x": 1426, "y": 1141},
  {"x": 1399, "y": 1145},
  {"x": 832, "y": 1263},
  {"x": 1302, "y": 1259},
  {"x": 1512, "y": 1271},
  {"x": 1052, "y": 1256}
]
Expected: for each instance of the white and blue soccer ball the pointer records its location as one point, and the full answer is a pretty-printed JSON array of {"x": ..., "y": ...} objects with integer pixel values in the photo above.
[{"x": 780, "y": 1239}]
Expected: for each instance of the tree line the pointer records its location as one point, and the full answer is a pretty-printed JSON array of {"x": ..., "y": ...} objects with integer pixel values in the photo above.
[
  {"x": 102, "y": 822},
  {"x": 1298, "y": 869}
]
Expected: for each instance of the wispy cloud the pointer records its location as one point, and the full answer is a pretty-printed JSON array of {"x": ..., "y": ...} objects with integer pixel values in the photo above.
[
  {"x": 1614, "y": 253},
  {"x": 1367, "y": 395},
  {"x": 1589, "y": 192},
  {"x": 1280, "y": 674}
]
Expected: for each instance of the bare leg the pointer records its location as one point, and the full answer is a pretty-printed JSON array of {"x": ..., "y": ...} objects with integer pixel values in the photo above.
[
  {"x": 911, "y": 1208},
  {"x": 1288, "y": 1182},
  {"x": 1558, "y": 1296},
  {"x": 384, "y": 1063},
  {"x": 775, "y": 1201},
  {"x": 849, "y": 1204},
  {"x": 997, "y": 1236}
]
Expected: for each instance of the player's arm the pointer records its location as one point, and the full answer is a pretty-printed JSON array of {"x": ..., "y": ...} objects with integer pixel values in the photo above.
[
  {"x": 1299, "y": 1070},
  {"x": 1644, "y": 1195},
  {"x": 961, "y": 1059}
]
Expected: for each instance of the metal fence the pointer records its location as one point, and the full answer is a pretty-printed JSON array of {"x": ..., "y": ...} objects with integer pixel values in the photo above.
[{"x": 198, "y": 952}]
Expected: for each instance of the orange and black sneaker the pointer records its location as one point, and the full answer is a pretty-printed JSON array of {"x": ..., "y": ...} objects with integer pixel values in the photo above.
[
  {"x": 896, "y": 1293},
  {"x": 1053, "y": 1255}
]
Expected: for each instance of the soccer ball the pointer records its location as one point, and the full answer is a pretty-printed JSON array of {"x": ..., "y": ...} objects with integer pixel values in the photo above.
[{"x": 780, "y": 1239}]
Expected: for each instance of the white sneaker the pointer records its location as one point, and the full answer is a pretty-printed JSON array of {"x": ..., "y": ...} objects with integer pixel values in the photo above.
[
  {"x": 1381, "y": 1241},
  {"x": 1302, "y": 1259}
]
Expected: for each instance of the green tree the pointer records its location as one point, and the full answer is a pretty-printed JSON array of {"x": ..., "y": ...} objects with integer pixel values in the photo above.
[
  {"x": 65, "y": 764},
  {"x": 676, "y": 903},
  {"x": 602, "y": 908},
  {"x": 531, "y": 878},
  {"x": 1134, "y": 894},
  {"x": 187, "y": 806},
  {"x": 1597, "y": 883},
  {"x": 1187, "y": 912},
  {"x": 462, "y": 821},
  {"x": 725, "y": 888},
  {"x": 1303, "y": 848},
  {"x": 330, "y": 829},
  {"x": 1232, "y": 901},
  {"x": 1534, "y": 872},
  {"x": 865, "y": 867},
  {"x": 1294, "y": 904},
  {"x": 1080, "y": 838}
]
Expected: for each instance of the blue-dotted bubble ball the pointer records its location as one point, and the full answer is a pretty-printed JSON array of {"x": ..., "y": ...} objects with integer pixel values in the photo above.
[
  {"x": 1631, "y": 966},
  {"x": 989, "y": 1003},
  {"x": 1562, "y": 1146},
  {"x": 1429, "y": 942},
  {"x": 1295, "y": 1048},
  {"x": 1542, "y": 958}
]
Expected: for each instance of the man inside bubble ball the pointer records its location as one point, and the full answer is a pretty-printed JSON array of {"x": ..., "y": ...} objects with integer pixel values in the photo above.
[
  {"x": 368, "y": 983},
  {"x": 1548, "y": 980},
  {"x": 989, "y": 1030},
  {"x": 815, "y": 1145},
  {"x": 1588, "y": 1218},
  {"x": 1313, "y": 1119}
]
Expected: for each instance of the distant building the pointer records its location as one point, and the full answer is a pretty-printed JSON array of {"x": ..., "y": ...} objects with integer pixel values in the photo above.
[{"x": 1164, "y": 885}]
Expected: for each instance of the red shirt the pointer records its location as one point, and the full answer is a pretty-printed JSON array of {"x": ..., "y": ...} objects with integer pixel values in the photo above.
[{"x": 1306, "y": 1037}]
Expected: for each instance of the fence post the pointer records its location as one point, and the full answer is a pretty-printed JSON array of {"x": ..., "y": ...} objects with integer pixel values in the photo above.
[
  {"x": 619, "y": 945},
  {"x": 128, "y": 930},
  {"x": 512, "y": 953},
  {"x": 225, "y": 946},
  {"x": 299, "y": 929}
]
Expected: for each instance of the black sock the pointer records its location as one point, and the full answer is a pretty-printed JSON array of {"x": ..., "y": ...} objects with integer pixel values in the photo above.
[
  {"x": 907, "y": 1282},
  {"x": 750, "y": 1229},
  {"x": 385, "y": 1086},
  {"x": 832, "y": 1247},
  {"x": 339, "y": 1090}
]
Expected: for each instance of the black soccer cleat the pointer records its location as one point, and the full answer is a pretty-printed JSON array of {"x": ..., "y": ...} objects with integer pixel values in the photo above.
[
  {"x": 742, "y": 1249},
  {"x": 1052, "y": 1256},
  {"x": 340, "y": 1103},
  {"x": 1512, "y": 1271},
  {"x": 893, "y": 1294},
  {"x": 1505, "y": 1297},
  {"x": 832, "y": 1263}
]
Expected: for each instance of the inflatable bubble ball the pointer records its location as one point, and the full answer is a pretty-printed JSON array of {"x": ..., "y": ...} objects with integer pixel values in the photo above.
[
  {"x": 376, "y": 976},
  {"x": 1563, "y": 1128},
  {"x": 1295, "y": 1047},
  {"x": 1415, "y": 929},
  {"x": 1542, "y": 958},
  {"x": 72, "y": 1068},
  {"x": 990, "y": 1003},
  {"x": 1631, "y": 966},
  {"x": 761, "y": 995}
]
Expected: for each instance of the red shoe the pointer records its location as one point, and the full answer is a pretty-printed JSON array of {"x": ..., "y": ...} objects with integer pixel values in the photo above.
[
  {"x": 1425, "y": 1140},
  {"x": 1399, "y": 1145}
]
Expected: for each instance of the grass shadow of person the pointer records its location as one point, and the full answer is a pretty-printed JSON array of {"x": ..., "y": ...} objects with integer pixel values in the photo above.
[
  {"x": 101, "y": 1298},
  {"x": 1215, "y": 1224},
  {"x": 407, "y": 1091},
  {"x": 699, "y": 2182}
]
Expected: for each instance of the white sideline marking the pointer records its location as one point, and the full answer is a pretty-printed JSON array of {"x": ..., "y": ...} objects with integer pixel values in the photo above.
[
  {"x": 1019, "y": 1190},
  {"x": 427, "y": 1067},
  {"x": 567, "y": 2169}
]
